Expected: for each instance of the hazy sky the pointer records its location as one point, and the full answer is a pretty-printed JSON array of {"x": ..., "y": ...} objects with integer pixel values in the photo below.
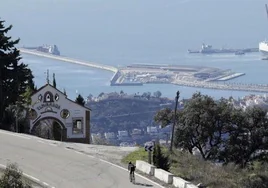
[{"x": 128, "y": 25}]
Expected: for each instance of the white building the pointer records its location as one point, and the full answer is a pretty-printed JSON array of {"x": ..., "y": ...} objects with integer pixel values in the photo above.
[
  {"x": 109, "y": 135},
  {"x": 50, "y": 103},
  {"x": 152, "y": 130},
  {"x": 136, "y": 132}
]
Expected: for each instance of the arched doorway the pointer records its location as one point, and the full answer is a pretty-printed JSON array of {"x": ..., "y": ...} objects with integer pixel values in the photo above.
[{"x": 50, "y": 128}]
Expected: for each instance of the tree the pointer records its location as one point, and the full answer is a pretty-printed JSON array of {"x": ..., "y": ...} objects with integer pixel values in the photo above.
[
  {"x": 159, "y": 159},
  {"x": 54, "y": 81},
  {"x": 80, "y": 100},
  {"x": 219, "y": 131},
  {"x": 198, "y": 123},
  {"x": 164, "y": 117},
  {"x": 248, "y": 138},
  {"x": 101, "y": 94},
  {"x": 12, "y": 178},
  {"x": 14, "y": 76},
  {"x": 157, "y": 94}
]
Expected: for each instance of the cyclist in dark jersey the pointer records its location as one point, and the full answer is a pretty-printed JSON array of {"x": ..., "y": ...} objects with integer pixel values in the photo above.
[{"x": 131, "y": 168}]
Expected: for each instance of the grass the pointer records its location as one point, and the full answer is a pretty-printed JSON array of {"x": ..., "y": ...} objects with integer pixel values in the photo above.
[
  {"x": 196, "y": 170},
  {"x": 139, "y": 154}
]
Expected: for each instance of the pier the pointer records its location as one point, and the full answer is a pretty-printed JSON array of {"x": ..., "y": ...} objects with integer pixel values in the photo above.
[{"x": 69, "y": 60}]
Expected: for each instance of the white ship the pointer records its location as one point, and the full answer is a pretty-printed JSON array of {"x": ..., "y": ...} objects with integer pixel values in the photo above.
[{"x": 263, "y": 47}]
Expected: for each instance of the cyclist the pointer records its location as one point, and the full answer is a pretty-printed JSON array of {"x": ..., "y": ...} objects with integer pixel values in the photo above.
[{"x": 131, "y": 168}]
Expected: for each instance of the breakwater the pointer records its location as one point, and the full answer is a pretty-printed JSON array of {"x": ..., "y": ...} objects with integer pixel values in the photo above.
[
  {"x": 69, "y": 60},
  {"x": 260, "y": 88}
]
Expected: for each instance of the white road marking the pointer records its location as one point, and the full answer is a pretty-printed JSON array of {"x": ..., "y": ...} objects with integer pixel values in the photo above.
[
  {"x": 135, "y": 173},
  {"x": 31, "y": 177},
  {"x": 157, "y": 184},
  {"x": 45, "y": 183},
  {"x": 41, "y": 141},
  {"x": 78, "y": 152},
  {"x": 15, "y": 134}
]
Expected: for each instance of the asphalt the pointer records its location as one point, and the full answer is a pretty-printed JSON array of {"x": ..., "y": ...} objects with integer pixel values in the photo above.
[{"x": 54, "y": 165}]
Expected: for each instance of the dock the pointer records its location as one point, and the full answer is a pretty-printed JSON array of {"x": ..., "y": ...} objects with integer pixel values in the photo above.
[{"x": 69, "y": 60}]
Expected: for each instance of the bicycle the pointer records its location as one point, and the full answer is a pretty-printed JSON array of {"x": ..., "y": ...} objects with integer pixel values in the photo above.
[{"x": 132, "y": 177}]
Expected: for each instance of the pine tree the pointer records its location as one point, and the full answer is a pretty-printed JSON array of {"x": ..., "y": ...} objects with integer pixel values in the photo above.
[
  {"x": 14, "y": 75},
  {"x": 80, "y": 100},
  {"x": 54, "y": 81},
  {"x": 159, "y": 159}
]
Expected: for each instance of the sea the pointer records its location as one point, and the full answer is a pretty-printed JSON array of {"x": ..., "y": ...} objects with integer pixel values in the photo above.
[{"x": 123, "y": 32}]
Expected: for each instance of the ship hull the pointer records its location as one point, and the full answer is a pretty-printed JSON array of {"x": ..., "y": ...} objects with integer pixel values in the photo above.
[{"x": 263, "y": 48}]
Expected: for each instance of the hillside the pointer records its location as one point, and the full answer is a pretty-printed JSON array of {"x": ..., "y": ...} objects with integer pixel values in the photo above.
[{"x": 125, "y": 112}]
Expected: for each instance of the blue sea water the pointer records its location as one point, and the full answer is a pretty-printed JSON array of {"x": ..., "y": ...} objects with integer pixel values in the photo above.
[{"x": 122, "y": 32}]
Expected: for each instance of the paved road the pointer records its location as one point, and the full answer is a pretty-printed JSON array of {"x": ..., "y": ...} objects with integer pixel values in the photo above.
[{"x": 59, "y": 167}]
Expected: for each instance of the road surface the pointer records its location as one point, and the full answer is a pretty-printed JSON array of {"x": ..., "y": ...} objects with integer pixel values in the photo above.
[{"x": 59, "y": 167}]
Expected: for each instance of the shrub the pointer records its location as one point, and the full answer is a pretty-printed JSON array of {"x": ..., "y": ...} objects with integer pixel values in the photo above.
[
  {"x": 12, "y": 178},
  {"x": 159, "y": 159}
]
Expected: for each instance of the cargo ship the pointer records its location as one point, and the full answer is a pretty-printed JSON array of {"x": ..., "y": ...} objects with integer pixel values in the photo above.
[
  {"x": 207, "y": 49},
  {"x": 51, "y": 49}
]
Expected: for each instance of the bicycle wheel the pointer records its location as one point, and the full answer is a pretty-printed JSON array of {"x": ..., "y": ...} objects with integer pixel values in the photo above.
[
  {"x": 133, "y": 178},
  {"x": 130, "y": 177}
]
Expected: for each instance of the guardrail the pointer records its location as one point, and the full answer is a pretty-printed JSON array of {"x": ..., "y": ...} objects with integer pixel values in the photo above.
[{"x": 163, "y": 175}]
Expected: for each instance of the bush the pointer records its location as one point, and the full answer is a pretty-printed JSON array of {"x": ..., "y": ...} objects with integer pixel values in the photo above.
[
  {"x": 159, "y": 159},
  {"x": 256, "y": 181},
  {"x": 12, "y": 178}
]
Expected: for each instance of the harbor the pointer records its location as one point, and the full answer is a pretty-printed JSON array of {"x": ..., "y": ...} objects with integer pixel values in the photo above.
[{"x": 183, "y": 75}]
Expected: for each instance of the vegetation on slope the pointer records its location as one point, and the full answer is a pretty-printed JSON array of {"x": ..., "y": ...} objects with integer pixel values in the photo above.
[
  {"x": 196, "y": 170},
  {"x": 13, "y": 178},
  {"x": 217, "y": 143}
]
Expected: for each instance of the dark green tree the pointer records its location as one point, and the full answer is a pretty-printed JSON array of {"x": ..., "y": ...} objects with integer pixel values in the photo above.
[
  {"x": 248, "y": 137},
  {"x": 54, "y": 81},
  {"x": 157, "y": 94},
  {"x": 164, "y": 117},
  {"x": 15, "y": 76},
  {"x": 80, "y": 100},
  {"x": 202, "y": 125},
  {"x": 159, "y": 159}
]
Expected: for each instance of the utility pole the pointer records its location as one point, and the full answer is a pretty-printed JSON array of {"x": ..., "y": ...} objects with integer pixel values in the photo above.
[
  {"x": 174, "y": 122},
  {"x": 16, "y": 114}
]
